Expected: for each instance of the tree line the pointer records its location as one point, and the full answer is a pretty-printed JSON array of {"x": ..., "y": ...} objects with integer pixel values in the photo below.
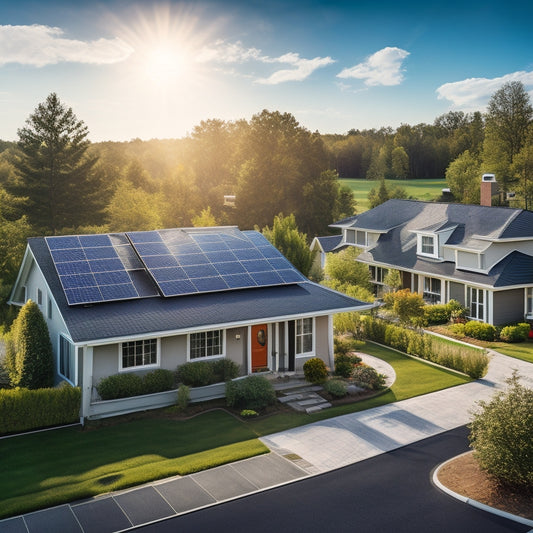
[{"x": 55, "y": 181}]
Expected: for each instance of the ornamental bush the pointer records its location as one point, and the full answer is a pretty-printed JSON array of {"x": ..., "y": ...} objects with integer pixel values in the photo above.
[
  {"x": 500, "y": 434},
  {"x": 368, "y": 377},
  {"x": 159, "y": 380},
  {"x": 120, "y": 386},
  {"x": 480, "y": 330},
  {"x": 252, "y": 392},
  {"x": 336, "y": 387},
  {"x": 315, "y": 370},
  {"x": 196, "y": 374},
  {"x": 517, "y": 333},
  {"x": 184, "y": 396},
  {"x": 224, "y": 370},
  {"x": 344, "y": 364}
]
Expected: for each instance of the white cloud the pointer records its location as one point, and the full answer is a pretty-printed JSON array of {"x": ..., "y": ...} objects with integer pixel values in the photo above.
[
  {"x": 381, "y": 68},
  {"x": 224, "y": 53},
  {"x": 303, "y": 68},
  {"x": 474, "y": 93},
  {"x": 39, "y": 45}
]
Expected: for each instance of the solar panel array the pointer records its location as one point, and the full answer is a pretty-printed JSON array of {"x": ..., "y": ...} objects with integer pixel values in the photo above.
[
  {"x": 101, "y": 268},
  {"x": 90, "y": 269}
]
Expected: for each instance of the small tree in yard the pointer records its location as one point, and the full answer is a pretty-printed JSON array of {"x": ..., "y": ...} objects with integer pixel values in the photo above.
[
  {"x": 501, "y": 434},
  {"x": 29, "y": 356},
  {"x": 406, "y": 305}
]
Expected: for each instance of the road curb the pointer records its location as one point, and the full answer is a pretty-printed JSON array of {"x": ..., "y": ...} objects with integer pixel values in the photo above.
[{"x": 475, "y": 503}]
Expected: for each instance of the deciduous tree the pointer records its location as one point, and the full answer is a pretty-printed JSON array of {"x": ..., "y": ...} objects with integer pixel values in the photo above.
[{"x": 463, "y": 177}]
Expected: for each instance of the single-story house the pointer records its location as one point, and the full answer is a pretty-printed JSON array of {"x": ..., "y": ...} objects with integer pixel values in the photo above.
[
  {"x": 138, "y": 301},
  {"x": 479, "y": 255}
]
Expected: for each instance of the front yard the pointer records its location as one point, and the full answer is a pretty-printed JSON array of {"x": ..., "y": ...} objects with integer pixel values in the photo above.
[{"x": 45, "y": 469}]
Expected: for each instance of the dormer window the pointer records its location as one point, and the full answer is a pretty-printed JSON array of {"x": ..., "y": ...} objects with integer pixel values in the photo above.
[{"x": 428, "y": 245}]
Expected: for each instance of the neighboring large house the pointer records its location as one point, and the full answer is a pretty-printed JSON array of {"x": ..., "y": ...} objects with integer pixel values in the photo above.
[
  {"x": 139, "y": 301},
  {"x": 481, "y": 256}
]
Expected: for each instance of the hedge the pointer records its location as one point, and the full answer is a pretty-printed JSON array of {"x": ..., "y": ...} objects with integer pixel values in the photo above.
[
  {"x": 24, "y": 409},
  {"x": 127, "y": 384},
  {"x": 467, "y": 359}
]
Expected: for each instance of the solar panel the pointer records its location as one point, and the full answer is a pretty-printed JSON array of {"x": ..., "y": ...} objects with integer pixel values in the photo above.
[
  {"x": 121, "y": 266},
  {"x": 211, "y": 260},
  {"x": 90, "y": 269}
]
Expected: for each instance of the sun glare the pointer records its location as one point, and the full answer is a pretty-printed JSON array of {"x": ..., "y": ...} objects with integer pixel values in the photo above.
[{"x": 165, "y": 64}]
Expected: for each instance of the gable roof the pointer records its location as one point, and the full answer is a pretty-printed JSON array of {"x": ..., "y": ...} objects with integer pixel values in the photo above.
[
  {"x": 158, "y": 315},
  {"x": 477, "y": 221},
  {"x": 329, "y": 243}
]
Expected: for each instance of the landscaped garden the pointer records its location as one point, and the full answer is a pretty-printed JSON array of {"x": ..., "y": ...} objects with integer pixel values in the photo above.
[{"x": 63, "y": 465}]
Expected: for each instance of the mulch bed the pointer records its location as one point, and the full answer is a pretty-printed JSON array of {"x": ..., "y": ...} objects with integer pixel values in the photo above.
[{"x": 464, "y": 476}]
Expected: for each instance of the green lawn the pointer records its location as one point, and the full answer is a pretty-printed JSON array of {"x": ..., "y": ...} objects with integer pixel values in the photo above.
[
  {"x": 519, "y": 350},
  {"x": 419, "y": 189},
  {"x": 49, "y": 468}
]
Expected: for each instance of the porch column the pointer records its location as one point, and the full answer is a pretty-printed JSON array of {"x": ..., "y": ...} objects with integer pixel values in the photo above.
[
  {"x": 276, "y": 346},
  {"x": 87, "y": 385},
  {"x": 331, "y": 349}
]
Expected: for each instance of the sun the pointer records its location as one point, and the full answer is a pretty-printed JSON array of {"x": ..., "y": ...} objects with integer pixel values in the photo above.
[{"x": 165, "y": 63}]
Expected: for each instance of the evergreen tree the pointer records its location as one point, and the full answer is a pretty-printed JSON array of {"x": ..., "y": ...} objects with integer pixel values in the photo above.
[
  {"x": 286, "y": 237},
  {"x": 29, "y": 354},
  {"x": 55, "y": 172}
]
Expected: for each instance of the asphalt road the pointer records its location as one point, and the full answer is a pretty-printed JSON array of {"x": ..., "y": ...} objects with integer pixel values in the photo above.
[{"x": 389, "y": 493}]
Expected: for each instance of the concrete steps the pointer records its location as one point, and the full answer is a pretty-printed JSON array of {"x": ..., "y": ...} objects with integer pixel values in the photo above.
[{"x": 304, "y": 399}]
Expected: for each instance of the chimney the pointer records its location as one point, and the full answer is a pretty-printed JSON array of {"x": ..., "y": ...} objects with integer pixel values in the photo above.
[{"x": 489, "y": 188}]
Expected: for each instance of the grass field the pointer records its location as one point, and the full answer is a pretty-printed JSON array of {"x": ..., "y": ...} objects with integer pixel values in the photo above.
[
  {"x": 45, "y": 469},
  {"x": 427, "y": 190}
]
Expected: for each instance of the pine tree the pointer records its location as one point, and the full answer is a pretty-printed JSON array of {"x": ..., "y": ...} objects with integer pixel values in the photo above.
[{"x": 55, "y": 171}]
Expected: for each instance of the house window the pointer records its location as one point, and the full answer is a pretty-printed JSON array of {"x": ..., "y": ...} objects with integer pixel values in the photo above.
[
  {"x": 378, "y": 274},
  {"x": 135, "y": 354},
  {"x": 361, "y": 238},
  {"x": 350, "y": 236},
  {"x": 206, "y": 344},
  {"x": 66, "y": 359},
  {"x": 39, "y": 297},
  {"x": 432, "y": 290},
  {"x": 49, "y": 308},
  {"x": 304, "y": 336},
  {"x": 529, "y": 302},
  {"x": 476, "y": 303},
  {"x": 428, "y": 245}
]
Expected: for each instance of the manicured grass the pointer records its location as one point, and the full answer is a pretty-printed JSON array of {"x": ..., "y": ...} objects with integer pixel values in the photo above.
[
  {"x": 44, "y": 469},
  {"x": 427, "y": 190},
  {"x": 413, "y": 378},
  {"x": 519, "y": 350},
  {"x": 49, "y": 468}
]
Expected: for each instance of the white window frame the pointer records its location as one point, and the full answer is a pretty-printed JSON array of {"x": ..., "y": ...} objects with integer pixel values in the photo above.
[
  {"x": 429, "y": 293},
  {"x": 70, "y": 373},
  {"x": 529, "y": 302},
  {"x": 420, "y": 244},
  {"x": 299, "y": 322},
  {"x": 143, "y": 366},
  {"x": 479, "y": 306},
  {"x": 364, "y": 234},
  {"x": 39, "y": 297},
  {"x": 377, "y": 274},
  {"x": 205, "y": 333}
]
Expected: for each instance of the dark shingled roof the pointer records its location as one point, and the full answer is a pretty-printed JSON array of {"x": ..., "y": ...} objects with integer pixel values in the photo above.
[
  {"x": 330, "y": 242},
  {"x": 111, "y": 320}
]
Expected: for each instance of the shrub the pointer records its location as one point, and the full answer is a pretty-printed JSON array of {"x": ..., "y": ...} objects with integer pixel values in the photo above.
[
  {"x": 196, "y": 374},
  {"x": 344, "y": 364},
  {"x": 248, "y": 413},
  {"x": 315, "y": 370},
  {"x": 458, "y": 329},
  {"x": 29, "y": 351},
  {"x": 252, "y": 392},
  {"x": 336, "y": 387},
  {"x": 406, "y": 305},
  {"x": 437, "y": 314},
  {"x": 500, "y": 434},
  {"x": 480, "y": 330},
  {"x": 159, "y": 380},
  {"x": 517, "y": 333},
  {"x": 224, "y": 370},
  {"x": 24, "y": 409},
  {"x": 342, "y": 346},
  {"x": 184, "y": 396},
  {"x": 368, "y": 377},
  {"x": 120, "y": 386}
]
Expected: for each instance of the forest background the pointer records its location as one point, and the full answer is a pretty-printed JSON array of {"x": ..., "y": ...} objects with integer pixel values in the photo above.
[{"x": 55, "y": 181}]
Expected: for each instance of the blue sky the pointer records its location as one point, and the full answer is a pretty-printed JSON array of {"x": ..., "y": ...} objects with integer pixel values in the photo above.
[{"x": 156, "y": 69}]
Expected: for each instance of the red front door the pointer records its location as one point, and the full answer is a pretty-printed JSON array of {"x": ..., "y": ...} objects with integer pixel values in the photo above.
[{"x": 259, "y": 347}]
